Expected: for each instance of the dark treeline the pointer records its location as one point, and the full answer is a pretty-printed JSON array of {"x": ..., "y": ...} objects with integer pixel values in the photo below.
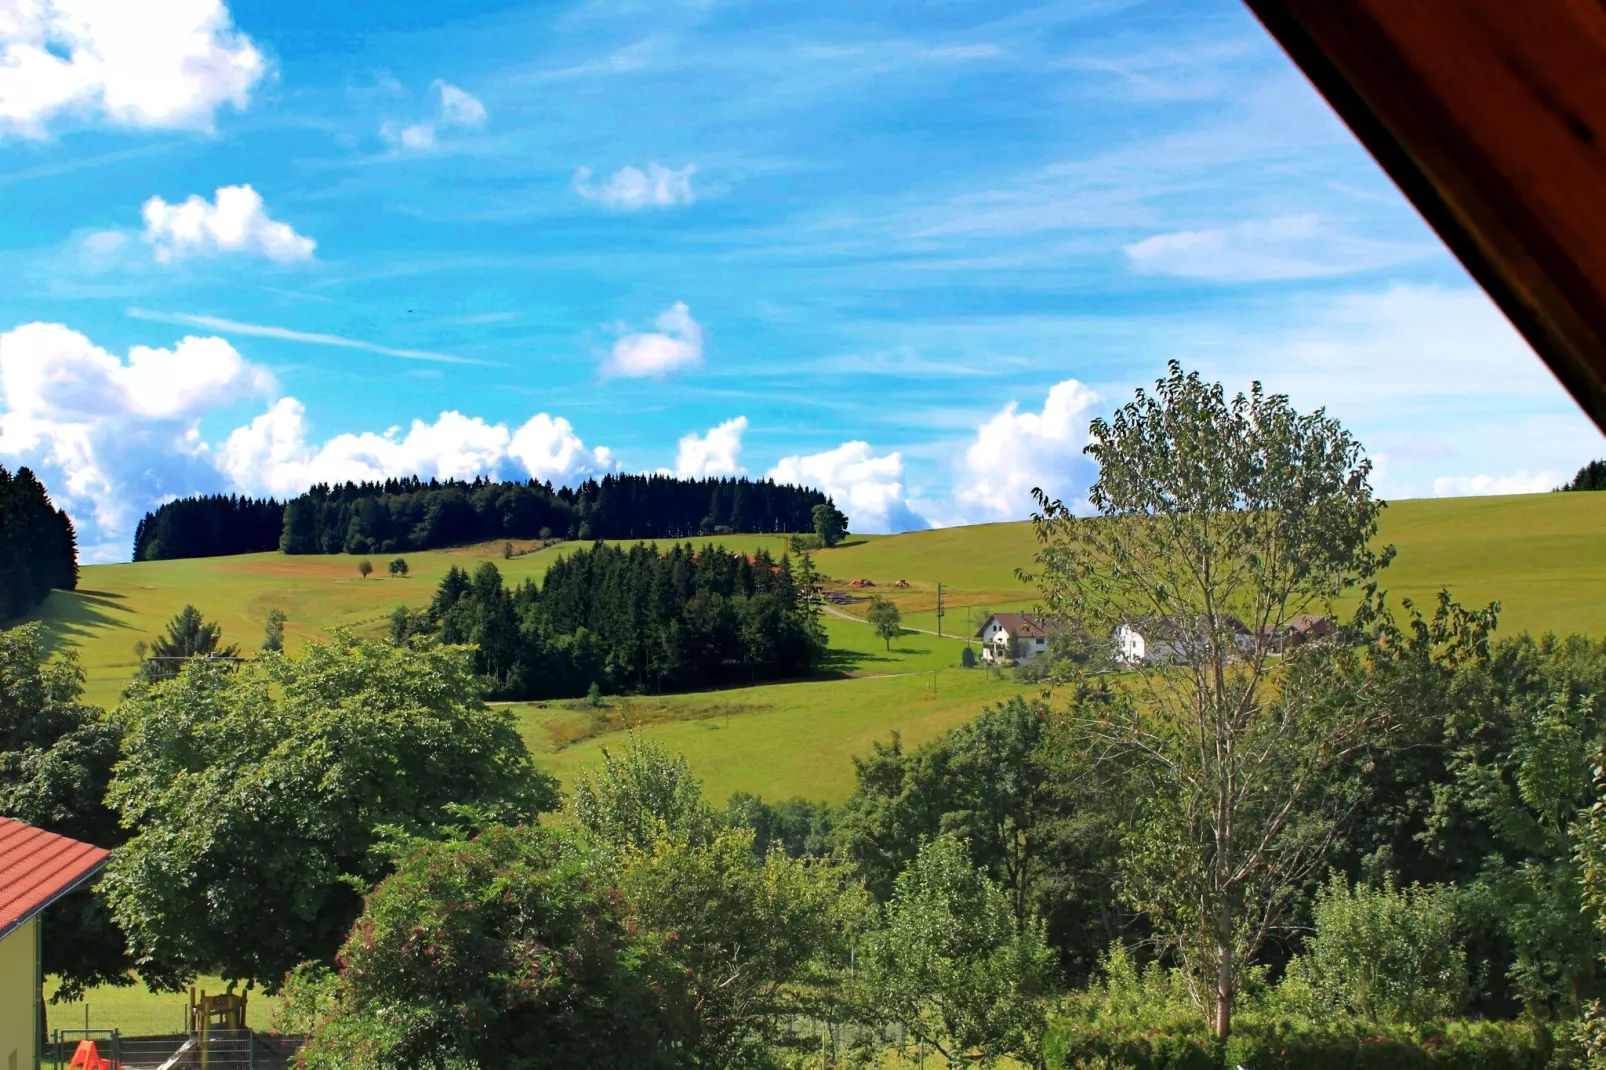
[
  {"x": 410, "y": 514},
  {"x": 214, "y": 526},
  {"x": 38, "y": 547},
  {"x": 1591, "y": 476},
  {"x": 630, "y": 620}
]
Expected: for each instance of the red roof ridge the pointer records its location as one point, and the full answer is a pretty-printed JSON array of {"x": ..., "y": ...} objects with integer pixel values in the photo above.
[{"x": 39, "y": 867}]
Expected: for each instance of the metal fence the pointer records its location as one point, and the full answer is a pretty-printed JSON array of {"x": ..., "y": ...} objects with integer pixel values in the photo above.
[{"x": 216, "y": 1049}]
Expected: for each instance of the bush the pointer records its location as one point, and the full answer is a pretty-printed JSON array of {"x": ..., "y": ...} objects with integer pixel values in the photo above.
[
  {"x": 506, "y": 951},
  {"x": 1294, "y": 1044},
  {"x": 1383, "y": 954},
  {"x": 1147, "y": 1019}
]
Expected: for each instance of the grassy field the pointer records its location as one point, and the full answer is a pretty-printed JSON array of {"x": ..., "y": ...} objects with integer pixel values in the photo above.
[
  {"x": 1542, "y": 556},
  {"x": 787, "y": 739}
]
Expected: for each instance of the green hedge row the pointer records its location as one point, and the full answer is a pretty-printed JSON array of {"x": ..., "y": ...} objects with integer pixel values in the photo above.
[{"x": 1296, "y": 1045}]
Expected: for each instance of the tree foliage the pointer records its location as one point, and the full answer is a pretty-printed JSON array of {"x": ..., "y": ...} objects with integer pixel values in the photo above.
[
  {"x": 38, "y": 547},
  {"x": 189, "y": 635},
  {"x": 56, "y": 758},
  {"x": 501, "y": 952},
  {"x": 1385, "y": 954},
  {"x": 210, "y": 526},
  {"x": 1219, "y": 521},
  {"x": 257, "y": 794},
  {"x": 884, "y": 618},
  {"x": 1591, "y": 476},
  {"x": 830, "y": 523},
  {"x": 953, "y": 966},
  {"x": 631, "y": 619},
  {"x": 399, "y": 515}
]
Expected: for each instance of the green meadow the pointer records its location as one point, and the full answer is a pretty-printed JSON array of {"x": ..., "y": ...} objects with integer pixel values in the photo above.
[{"x": 1542, "y": 556}]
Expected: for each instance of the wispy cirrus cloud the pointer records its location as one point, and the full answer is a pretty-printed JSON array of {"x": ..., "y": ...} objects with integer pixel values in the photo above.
[
  {"x": 218, "y": 323},
  {"x": 1286, "y": 247}
]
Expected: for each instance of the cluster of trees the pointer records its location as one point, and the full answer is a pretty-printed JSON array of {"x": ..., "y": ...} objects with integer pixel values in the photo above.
[
  {"x": 248, "y": 803},
  {"x": 634, "y": 619},
  {"x": 38, "y": 547},
  {"x": 658, "y": 931},
  {"x": 409, "y": 514},
  {"x": 1591, "y": 476},
  {"x": 213, "y": 526}
]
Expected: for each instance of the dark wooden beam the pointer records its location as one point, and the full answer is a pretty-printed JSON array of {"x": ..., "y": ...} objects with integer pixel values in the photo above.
[{"x": 1491, "y": 117}]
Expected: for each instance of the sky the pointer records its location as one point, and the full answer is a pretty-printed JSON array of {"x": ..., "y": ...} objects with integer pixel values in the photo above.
[{"x": 904, "y": 252}]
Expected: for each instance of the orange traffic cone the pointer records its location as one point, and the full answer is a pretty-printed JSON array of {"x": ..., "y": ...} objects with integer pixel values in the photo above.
[{"x": 88, "y": 1057}]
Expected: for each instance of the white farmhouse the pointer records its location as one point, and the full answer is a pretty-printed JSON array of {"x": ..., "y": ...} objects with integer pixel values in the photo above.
[
  {"x": 1160, "y": 642},
  {"x": 1029, "y": 631}
]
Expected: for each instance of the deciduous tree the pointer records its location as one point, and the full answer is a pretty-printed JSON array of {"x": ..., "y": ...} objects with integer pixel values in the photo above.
[
  {"x": 258, "y": 793},
  {"x": 1218, "y": 522},
  {"x": 953, "y": 967},
  {"x": 884, "y": 617},
  {"x": 56, "y": 758}
]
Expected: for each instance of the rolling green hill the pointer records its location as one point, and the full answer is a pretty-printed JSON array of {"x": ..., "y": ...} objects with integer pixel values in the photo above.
[{"x": 1542, "y": 556}]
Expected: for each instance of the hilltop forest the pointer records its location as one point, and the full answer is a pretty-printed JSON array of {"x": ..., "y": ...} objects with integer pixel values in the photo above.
[
  {"x": 401, "y": 515},
  {"x": 38, "y": 547}
]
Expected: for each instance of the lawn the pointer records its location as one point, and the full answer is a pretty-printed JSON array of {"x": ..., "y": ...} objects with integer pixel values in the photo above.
[{"x": 787, "y": 739}]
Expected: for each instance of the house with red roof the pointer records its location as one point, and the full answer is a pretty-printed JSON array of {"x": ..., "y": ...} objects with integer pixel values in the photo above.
[
  {"x": 1014, "y": 636},
  {"x": 36, "y": 869}
]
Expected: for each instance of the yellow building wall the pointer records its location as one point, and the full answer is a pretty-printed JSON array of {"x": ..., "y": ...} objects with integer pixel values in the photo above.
[{"x": 19, "y": 996}]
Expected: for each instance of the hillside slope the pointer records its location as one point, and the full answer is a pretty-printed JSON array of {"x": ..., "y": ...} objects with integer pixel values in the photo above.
[{"x": 1543, "y": 556}]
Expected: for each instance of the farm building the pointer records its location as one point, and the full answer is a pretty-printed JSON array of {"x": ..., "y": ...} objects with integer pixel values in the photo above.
[
  {"x": 1027, "y": 631},
  {"x": 36, "y": 869},
  {"x": 1157, "y": 641}
]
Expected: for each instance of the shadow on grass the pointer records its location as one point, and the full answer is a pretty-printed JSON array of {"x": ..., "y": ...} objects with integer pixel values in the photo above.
[{"x": 73, "y": 616}]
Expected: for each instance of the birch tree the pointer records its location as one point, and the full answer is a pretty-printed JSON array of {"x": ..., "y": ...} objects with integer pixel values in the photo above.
[{"x": 1219, "y": 522}]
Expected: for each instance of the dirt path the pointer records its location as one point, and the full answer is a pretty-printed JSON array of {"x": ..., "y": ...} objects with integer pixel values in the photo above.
[{"x": 835, "y": 612}]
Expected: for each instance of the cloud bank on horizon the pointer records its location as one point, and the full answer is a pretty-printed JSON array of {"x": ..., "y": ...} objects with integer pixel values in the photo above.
[{"x": 254, "y": 252}]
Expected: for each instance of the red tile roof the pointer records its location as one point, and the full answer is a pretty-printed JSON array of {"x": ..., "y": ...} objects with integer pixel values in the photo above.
[{"x": 37, "y": 868}]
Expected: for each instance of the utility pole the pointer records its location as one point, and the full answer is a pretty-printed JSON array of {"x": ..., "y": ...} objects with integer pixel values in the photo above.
[{"x": 940, "y": 611}]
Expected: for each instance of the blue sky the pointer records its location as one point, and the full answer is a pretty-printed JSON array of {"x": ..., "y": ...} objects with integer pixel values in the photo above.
[{"x": 903, "y": 251}]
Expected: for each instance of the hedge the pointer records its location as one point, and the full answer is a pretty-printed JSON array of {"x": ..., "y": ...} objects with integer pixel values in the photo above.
[{"x": 1284, "y": 1044}]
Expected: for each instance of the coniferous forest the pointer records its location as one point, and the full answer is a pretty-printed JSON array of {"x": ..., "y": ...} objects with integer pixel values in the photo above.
[
  {"x": 38, "y": 547},
  {"x": 630, "y": 619},
  {"x": 215, "y": 526},
  {"x": 399, "y": 515}
]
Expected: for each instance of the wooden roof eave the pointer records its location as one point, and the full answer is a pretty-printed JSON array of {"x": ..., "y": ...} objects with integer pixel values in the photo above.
[{"x": 1491, "y": 118}]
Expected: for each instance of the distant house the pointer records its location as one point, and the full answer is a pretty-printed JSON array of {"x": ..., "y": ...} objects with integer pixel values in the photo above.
[
  {"x": 1157, "y": 641},
  {"x": 36, "y": 869},
  {"x": 1029, "y": 632},
  {"x": 1304, "y": 628}
]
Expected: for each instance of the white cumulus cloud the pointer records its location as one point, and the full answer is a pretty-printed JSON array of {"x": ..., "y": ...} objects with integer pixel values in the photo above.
[
  {"x": 713, "y": 454},
  {"x": 275, "y": 455},
  {"x": 455, "y": 108},
  {"x": 1518, "y": 482},
  {"x": 678, "y": 343},
  {"x": 631, "y": 188},
  {"x": 1015, "y": 451},
  {"x": 234, "y": 222},
  {"x": 113, "y": 436},
  {"x": 550, "y": 451},
  {"x": 869, "y": 489},
  {"x": 167, "y": 64}
]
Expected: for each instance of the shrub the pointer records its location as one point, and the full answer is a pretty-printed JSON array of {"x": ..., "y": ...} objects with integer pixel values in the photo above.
[
  {"x": 1260, "y": 1043},
  {"x": 501, "y": 952},
  {"x": 1383, "y": 954}
]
